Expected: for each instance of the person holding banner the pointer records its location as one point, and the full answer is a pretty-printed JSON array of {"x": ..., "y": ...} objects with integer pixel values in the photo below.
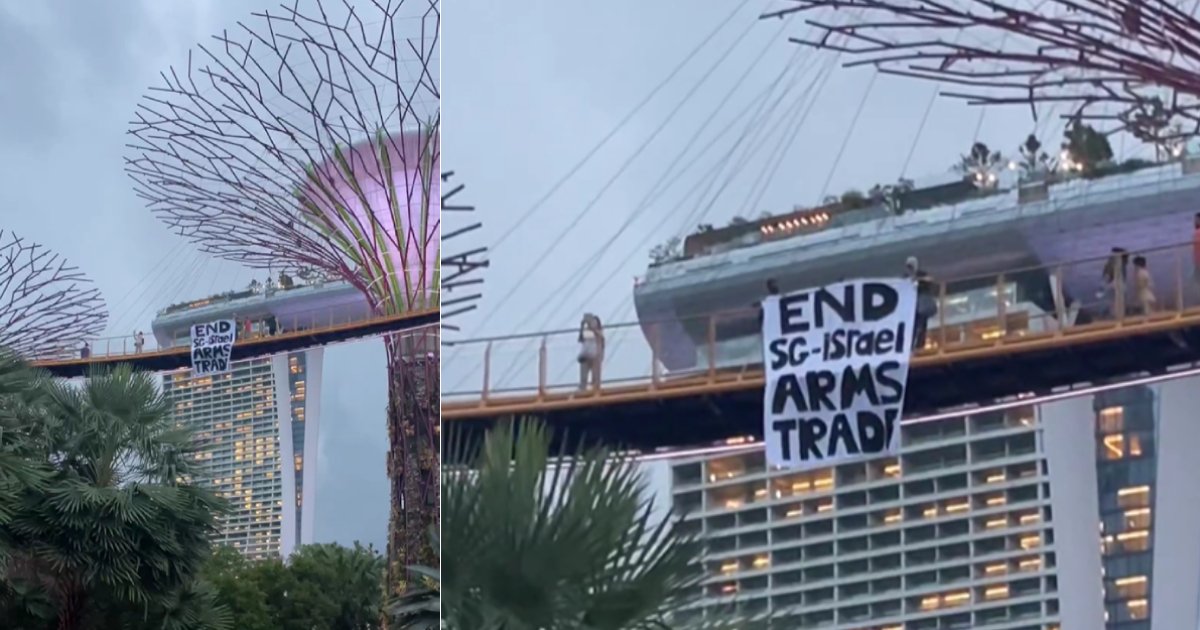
[{"x": 927, "y": 308}]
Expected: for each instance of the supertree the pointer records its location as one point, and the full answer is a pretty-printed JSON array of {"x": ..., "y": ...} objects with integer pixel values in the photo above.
[
  {"x": 309, "y": 139},
  {"x": 46, "y": 305},
  {"x": 1122, "y": 60}
]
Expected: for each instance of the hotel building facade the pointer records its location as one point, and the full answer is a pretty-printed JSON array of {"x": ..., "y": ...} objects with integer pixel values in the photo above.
[
  {"x": 1080, "y": 513},
  {"x": 256, "y": 427}
]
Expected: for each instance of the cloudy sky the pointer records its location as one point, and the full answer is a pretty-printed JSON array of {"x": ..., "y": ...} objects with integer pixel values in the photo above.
[
  {"x": 587, "y": 133},
  {"x": 72, "y": 74},
  {"x": 738, "y": 122},
  {"x": 735, "y": 121}
]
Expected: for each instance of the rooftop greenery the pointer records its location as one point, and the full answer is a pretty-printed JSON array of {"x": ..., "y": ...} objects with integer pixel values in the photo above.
[{"x": 1085, "y": 153}]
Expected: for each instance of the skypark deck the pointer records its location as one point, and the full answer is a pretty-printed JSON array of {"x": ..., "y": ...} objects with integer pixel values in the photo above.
[
  {"x": 978, "y": 352},
  {"x": 320, "y": 327}
]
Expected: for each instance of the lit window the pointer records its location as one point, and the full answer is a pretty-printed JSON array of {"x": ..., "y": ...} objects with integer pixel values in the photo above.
[
  {"x": 957, "y": 599},
  {"x": 1030, "y": 564},
  {"x": 1132, "y": 586},
  {"x": 1138, "y": 609},
  {"x": 1137, "y": 518},
  {"x": 1114, "y": 446},
  {"x": 1112, "y": 419},
  {"x": 1134, "y": 541},
  {"x": 1134, "y": 497}
]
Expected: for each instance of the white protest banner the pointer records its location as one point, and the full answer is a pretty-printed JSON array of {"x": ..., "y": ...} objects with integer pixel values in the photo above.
[
  {"x": 836, "y": 363},
  {"x": 212, "y": 346}
]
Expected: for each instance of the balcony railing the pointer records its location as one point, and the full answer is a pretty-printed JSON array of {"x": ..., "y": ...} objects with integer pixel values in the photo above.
[
  {"x": 321, "y": 319},
  {"x": 543, "y": 366}
]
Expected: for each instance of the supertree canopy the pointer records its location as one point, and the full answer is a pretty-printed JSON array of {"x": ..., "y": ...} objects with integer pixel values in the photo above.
[
  {"x": 308, "y": 138},
  {"x": 1090, "y": 54},
  {"x": 46, "y": 305},
  {"x": 374, "y": 203}
]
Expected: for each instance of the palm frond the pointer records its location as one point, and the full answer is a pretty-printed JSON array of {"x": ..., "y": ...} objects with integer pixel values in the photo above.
[{"x": 572, "y": 541}]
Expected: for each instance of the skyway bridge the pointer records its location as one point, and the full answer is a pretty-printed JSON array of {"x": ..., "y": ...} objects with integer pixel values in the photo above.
[
  {"x": 319, "y": 327},
  {"x": 996, "y": 348}
]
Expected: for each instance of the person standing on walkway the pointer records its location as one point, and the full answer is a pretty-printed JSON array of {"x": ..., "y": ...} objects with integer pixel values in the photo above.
[
  {"x": 591, "y": 351},
  {"x": 139, "y": 342},
  {"x": 1114, "y": 281},
  {"x": 927, "y": 308},
  {"x": 1143, "y": 286}
]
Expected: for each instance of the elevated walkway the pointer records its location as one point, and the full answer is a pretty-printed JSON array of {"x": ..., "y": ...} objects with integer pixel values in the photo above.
[
  {"x": 304, "y": 330},
  {"x": 973, "y": 357}
]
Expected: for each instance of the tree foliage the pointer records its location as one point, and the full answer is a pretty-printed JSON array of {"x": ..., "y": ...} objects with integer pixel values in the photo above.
[
  {"x": 321, "y": 586},
  {"x": 1086, "y": 148},
  {"x": 544, "y": 544},
  {"x": 99, "y": 526}
]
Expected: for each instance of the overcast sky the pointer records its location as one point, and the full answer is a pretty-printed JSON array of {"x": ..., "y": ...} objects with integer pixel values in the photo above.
[
  {"x": 531, "y": 88},
  {"x": 70, "y": 76}
]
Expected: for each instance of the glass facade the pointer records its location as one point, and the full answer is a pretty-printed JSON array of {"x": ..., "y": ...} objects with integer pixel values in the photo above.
[
  {"x": 954, "y": 533},
  {"x": 1126, "y": 465},
  {"x": 298, "y": 395},
  {"x": 237, "y": 436}
]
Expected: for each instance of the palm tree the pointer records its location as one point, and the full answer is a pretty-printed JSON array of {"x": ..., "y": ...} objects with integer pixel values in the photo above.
[
  {"x": 573, "y": 543},
  {"x": 115, "y": 528}
]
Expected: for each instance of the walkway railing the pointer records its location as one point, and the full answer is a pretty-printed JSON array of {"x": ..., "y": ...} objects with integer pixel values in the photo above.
[
  {"x": 982, "y": 314},
  {"x": 326, "y": 318}
]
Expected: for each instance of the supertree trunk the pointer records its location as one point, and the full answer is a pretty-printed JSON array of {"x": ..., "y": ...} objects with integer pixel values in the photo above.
[{"x": 413, "y": 454}]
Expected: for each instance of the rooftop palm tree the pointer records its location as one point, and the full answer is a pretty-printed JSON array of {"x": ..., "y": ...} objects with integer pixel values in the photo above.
[
  {"x": 114, "y": 526},
  {"x": 569, "y": 544}
]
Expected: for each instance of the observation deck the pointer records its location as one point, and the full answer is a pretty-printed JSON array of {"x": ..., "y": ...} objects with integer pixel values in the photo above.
[
  {"x": 298, "y": 329},
  {"x": 987, "y": 344},
  {"x": 955, "y": 232}
]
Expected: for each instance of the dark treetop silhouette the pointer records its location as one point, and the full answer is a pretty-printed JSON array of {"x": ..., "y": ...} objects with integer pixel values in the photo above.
[
  {"x": 309, "y": 139},
  {"x": 1141, "y": 57},
  {"x": 46, "y": 305}
]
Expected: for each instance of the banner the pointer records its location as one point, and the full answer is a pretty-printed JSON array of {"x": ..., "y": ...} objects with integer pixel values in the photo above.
[
  {"x": 836, "y": 361},
  {"x": 212, "y": 347}
]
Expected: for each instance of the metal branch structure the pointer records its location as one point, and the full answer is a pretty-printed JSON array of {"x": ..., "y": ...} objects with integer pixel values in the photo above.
[
  {"x": 47, "y": 307},
  {"x": 308, "y": 138},
  {"x": 461, "y": 269},
  {"x": 1088, "y": 54}
]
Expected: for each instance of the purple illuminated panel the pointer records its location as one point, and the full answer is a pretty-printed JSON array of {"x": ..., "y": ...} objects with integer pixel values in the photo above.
[
  {"x": 1147, "y": 236},
  {"x": 356, "y": 198},
  {"x": 1158, "y": 227}
]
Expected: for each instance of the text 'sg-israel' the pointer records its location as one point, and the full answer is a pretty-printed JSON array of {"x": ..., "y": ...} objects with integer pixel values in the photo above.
[
  {"x": 212, "y": 347},
  {"x": 836, "y": 369}
]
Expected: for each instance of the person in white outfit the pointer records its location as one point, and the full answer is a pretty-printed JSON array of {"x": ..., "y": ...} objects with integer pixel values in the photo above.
[
  {"x": 1143, "y": 285},
  {"x": 591, "y": 350}
]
